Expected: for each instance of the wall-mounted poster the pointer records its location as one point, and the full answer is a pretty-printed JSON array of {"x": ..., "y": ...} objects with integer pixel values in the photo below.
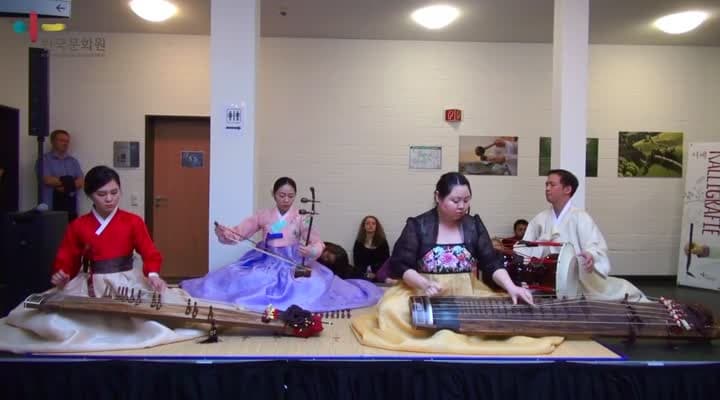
[
  {"x": 425, "y": 157},
  {"x": 699, "y": 263},
  {"x": 591, "y": 156},
  {"x": 488, "y": 155},
  {"x": 650, "y": 154}
]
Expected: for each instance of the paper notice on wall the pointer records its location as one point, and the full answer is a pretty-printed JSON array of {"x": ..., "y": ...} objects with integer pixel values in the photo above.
[
  {"x": 425, "y": 157},
  {"x": 699, "y": 263}
]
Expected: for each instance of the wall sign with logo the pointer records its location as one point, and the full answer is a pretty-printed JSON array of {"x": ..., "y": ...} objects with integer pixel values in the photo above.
[{"x": 75, "y": 44}]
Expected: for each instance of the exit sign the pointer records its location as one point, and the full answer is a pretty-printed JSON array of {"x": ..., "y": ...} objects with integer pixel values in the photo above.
[{"x": 453, "y": 115}]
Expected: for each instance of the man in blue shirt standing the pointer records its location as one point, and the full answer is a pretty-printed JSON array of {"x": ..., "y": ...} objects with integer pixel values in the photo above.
[{"x": 62, "y": 176}]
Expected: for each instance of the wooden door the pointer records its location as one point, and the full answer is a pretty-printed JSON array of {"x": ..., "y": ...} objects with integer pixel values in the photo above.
[{"x": 179, "y": 194}]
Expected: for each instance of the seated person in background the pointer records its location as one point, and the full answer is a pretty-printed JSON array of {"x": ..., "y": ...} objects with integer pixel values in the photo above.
[
  {"x": 519, "y": 228},
  {"x": 435, "y": 256},
  {"x": 371, "y": 247},
  {"x": 336, "y": 258},
  {"x": 563, "y": 223}
]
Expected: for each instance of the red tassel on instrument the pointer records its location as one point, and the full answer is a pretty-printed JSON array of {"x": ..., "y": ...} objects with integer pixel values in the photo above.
[
  {"x": 303, "y": 323},
  {"x": 313, "y": 328}
]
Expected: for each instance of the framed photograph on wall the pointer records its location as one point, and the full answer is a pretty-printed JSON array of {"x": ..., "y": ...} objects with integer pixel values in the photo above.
[
  {"x": 488, "y": 155},
  {"x": 650, "y": 154}
]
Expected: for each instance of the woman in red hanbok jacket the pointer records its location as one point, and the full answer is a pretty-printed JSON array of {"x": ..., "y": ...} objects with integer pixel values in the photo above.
[{"x": 96, "y": 255}]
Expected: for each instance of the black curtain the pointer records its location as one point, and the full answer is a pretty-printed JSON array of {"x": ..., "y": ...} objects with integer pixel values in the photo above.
[{"x": 134, "y": 380}]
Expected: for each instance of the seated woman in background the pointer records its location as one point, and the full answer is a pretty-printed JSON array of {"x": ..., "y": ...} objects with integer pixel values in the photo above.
[
  {"x": 266, "y": 276},
  {"x": 435, "y": 255},
  {"x": 371, "y": 248},
  {"x": 104, "y": 240}
]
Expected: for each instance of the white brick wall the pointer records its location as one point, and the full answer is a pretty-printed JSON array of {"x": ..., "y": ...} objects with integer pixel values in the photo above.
[
  {"x": 341, "y": 114},
  {"x": 105, "y": 99}
]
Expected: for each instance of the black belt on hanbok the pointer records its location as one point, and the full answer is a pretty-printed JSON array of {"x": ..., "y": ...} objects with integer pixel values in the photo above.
[{"x": 112, "y": 265}]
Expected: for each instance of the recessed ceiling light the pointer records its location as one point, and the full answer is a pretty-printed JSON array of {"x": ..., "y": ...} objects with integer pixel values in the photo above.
[
  {"x": 435, "y": 17},
  {"x": 153, "y": 10},
  {"x": 681, "y": 22}
]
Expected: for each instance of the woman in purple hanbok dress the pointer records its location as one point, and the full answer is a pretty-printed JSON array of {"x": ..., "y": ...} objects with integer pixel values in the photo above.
[{"x": 257, "y": 279}]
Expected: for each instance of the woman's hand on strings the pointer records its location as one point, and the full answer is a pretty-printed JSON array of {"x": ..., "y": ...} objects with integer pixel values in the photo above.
[
  {"x": 517, "y": 292},
  {"x": 433, "y": 288},
  {"x": 59, "y": 279},
  {"x": 157, "y": 283}
]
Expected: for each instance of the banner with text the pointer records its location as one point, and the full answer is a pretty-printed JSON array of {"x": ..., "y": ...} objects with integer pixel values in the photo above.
[{"x": 699, "y": 263}]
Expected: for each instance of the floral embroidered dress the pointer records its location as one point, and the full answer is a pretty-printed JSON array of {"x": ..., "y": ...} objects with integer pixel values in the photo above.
[{"x": 447, "y": 259}]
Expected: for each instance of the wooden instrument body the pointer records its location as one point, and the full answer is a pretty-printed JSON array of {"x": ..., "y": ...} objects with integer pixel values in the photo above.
[
  {"x": 189, "y": 314},
  {"x": 576, "y": 318}
]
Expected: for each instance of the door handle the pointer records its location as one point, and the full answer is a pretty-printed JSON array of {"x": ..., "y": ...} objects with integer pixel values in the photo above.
[{"x": 160, "y": 200}]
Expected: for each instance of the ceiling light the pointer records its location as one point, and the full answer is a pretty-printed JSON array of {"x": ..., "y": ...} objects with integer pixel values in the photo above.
[
  {"x": 681, "y": 22},
  {"x": 435, "y": 17},
  {"x": 153, "y": 10}
]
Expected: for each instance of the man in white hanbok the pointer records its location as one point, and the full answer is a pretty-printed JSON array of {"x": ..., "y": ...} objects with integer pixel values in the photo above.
[{"x": 564, "y": 223}]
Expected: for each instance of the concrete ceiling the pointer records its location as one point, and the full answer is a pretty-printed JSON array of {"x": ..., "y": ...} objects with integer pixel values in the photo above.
[{"x": 528, "y": 21}]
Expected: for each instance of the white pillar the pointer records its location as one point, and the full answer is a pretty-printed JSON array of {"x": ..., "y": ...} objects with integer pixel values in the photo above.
[
  {"x": 234, "y": 34},
  {"x": 570, "y": 89}
]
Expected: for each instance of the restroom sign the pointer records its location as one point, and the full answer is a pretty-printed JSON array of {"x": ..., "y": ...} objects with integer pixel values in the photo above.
[{"x": 234, "y": 118}]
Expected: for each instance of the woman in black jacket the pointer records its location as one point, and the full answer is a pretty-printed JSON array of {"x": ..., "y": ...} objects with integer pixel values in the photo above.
[{"x": 437, "y": 254}]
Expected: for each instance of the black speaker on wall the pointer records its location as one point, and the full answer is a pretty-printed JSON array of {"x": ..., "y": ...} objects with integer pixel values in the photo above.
[
  {"x": 30, "y": 242},
  {"x": 39, "y": 105}
]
